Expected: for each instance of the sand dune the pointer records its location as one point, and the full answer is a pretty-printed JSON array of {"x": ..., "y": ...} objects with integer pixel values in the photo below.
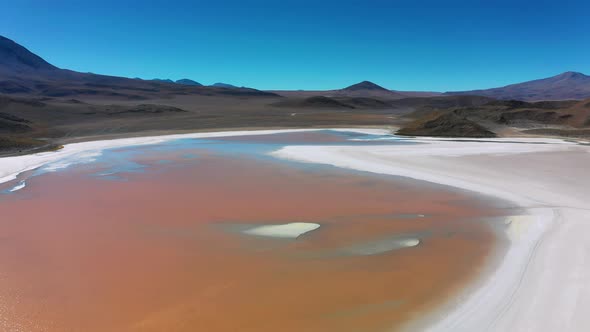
[{"x": 540, "y": 284}]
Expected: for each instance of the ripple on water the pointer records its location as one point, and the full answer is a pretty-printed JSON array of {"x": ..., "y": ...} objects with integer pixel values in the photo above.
[{"x": 381, "y": 246}]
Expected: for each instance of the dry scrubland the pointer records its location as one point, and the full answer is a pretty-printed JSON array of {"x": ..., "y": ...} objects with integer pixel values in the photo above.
[{"x": 43, "y": 107}]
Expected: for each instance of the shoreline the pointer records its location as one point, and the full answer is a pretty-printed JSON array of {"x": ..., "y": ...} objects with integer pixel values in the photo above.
[
  {"x": 12, "y": 166},
  {"x": 515, "y": 294},
  {"x": 502, "y": 297},
  {"x": 55, "y": 144}
]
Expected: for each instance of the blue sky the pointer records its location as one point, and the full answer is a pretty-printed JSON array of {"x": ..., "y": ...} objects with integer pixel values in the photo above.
[{"x": 404, "y": 45}]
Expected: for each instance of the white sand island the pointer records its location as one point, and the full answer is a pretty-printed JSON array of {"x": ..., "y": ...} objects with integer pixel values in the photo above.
[{"x": 286, "y": 231}]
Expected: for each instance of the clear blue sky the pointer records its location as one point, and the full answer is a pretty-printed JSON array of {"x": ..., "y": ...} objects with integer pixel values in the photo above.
[{"x": 284, "y": 44}]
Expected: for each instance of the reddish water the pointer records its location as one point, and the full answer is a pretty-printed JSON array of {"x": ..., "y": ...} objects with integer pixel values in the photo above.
[{"x": 160, "y": 252}]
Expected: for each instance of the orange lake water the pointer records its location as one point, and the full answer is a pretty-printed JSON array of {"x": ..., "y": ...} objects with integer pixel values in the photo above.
[{"x": 151, "y": 239}]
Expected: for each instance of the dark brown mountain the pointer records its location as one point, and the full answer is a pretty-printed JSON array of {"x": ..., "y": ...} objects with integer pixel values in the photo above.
[
  {"x": 25, "y": 74},
  {"x": 368, "y": 89},
  {"x": 163, "y": 80},
  {"x": 569, "y": 85},
  {"x": 364, "y": 86},
  {"x": 15, "y": 58},
  {"x": 186, "y": 81},
  {"x": 224, "y": 85},
  {"x": 449, "y": 124},
  {"x": 363, "y": 89},
  {"x": 563, "y": 118}
]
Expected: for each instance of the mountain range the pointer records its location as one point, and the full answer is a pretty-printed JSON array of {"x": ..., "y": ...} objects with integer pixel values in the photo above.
[
  {"x": 224, "y": 85},
  {"x": 25, "y": 73},
  {"x": 568, "y": 85},
  {"x": 22, "y": 71},
  {"x": 364, "y": 89},
  {"x": 43, "y": 106},
  {"x": 186, "y": 81},
  {"x": 14, "y": 58}
]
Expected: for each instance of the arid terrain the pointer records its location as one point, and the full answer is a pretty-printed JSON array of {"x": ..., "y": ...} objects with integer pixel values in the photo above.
[{"x": 43, "y": 107}]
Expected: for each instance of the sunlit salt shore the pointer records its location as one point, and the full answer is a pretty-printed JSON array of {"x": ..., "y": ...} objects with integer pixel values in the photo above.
[
  {"x": 76, "y": 153},
  {"x": 521, "y": 292}
]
